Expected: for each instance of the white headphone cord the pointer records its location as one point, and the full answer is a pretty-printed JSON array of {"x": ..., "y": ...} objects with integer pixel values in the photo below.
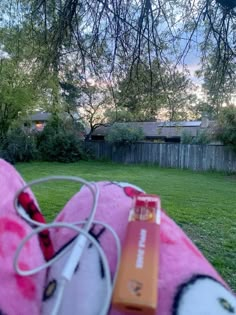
[
  {"x": 78, "y": 244},
  {"x": 92, "y": 187}
]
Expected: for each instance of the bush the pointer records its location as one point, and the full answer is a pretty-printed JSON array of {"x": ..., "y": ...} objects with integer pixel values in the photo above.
[
  {"x": 18, "y": 146},
  {"x": 122, "y": 135},
  {"x": 58, "y": 143},
  {"x": 4, "y": 154},
  {"x": 203, "y": 137},
  {"x": 186, "y": 137},
  {"x": 226, "y": 127}
]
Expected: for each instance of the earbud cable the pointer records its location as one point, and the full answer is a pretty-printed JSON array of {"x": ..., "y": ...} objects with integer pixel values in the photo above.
[{"x": 77, "y": 247}]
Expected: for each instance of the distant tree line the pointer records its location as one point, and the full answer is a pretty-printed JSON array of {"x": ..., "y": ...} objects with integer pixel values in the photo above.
[{"x": 107, "y": 61}]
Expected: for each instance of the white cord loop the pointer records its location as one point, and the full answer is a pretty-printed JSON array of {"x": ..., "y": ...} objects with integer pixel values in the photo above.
[{"x": 78, "y": 244}]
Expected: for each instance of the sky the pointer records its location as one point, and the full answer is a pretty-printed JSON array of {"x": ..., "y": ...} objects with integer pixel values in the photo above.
[{"x": 3, "y": 53}]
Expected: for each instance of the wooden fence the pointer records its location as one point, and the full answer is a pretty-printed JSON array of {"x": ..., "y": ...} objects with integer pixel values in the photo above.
[{"x": 184, "y": 156}]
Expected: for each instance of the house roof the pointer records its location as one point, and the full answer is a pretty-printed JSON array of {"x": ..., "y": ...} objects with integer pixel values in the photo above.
[
  {"x": 40, "y": 117},
  {"x": 158, "y": 129},
  {"x": 179, "y": 123}
]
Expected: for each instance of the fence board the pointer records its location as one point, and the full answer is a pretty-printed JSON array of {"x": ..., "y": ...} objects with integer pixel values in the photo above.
[{"x": 195, "y": 157}]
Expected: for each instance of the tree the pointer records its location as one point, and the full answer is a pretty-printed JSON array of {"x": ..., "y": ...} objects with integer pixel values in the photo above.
[
  {"x": 92, "y": 106},
  {"x": 121, "y": 36},
  {"x": 124, "y": 135},
  {"x": 86, "y": 98},
  {"x": 138, "y": 95},
  {"x": 219, "y": 83},
  {"x": 70, "y": 93},
  {"x": 16, "y": 94},
  {"x": 226, "y": 126},
  {"x": 179, "y": 97},
  {"x": 204, "y": 108},
  {"x": 166, "y": 30},
  {"x": 141, "y": 97},
  {"x": 25, "y": 83},
  {"x": 28, "y": 56}
]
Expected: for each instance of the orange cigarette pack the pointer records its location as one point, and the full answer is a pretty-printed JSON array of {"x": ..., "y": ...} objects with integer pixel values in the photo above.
[{"x": 136, "y": 286}]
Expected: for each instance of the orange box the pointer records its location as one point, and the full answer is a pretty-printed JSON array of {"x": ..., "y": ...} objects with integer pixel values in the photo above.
[{"x": 136, "y": 287}]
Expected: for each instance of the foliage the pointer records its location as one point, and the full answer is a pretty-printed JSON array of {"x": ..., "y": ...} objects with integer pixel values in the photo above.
[
  {"x": 142, "y": 46},
  {"x": 179, "y": 98},
  {"x": 186, "y": 137},
  {"x": 58, "y": 142},
  {"x": 27, "y": 51},
  {"x": 203, "y": 108},
  {"x": 144, "y": 96},
  {"x": 61, "y": 140},
  {"x": 219, "y": 83},
  {"x": 16, "y": 94},
  {"x": 121, "y": 114},
  {"x": 70, "y": 88},
  {"x": 4, "y": 154},
  {"x": 19, "y": 146},
  {"x": 137, "y": 31},
  {"x": 137, "y": 96},
  {"x": 85, "y": 97},
  {"x": 226, "y": 127},
  {"x": 121, "y": 134},
  {"x": 60, "y": 146},
  {"x": 202, "y": 137},
  {"x": 92, "y": 104}
]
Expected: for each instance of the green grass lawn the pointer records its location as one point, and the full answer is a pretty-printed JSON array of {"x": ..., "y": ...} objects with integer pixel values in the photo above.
[{"x": 203, "y": 204}]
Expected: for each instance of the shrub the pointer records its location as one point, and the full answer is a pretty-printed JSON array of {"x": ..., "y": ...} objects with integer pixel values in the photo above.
[
  {"x": 186, "y": 137},
  {"x": 203, "y": 137},
  {"x": 4, "y": 154},
  {"x": 58, "y": 143},
  {"x": 226, "y": 127},
  {"x": 19, "y": 146},
  {"x": 122, "y": 134}
]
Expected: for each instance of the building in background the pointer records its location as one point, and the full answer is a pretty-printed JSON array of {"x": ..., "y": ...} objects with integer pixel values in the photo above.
[
  {"x": 39, "y": 120},
  {"x": 170, "y": 132}
]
